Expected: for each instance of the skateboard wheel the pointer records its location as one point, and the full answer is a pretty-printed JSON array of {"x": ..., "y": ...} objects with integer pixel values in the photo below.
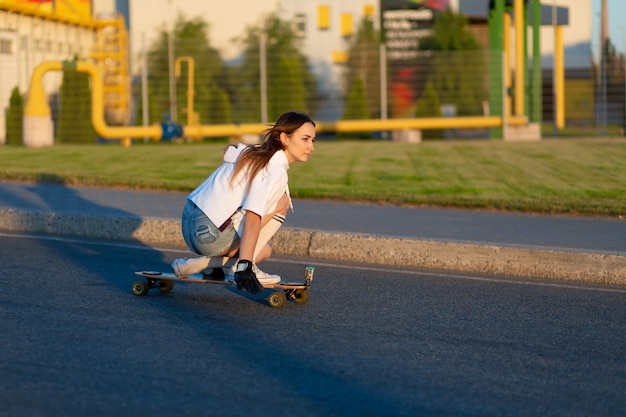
[
  {"x": 277, "y": 299},
  {"x": 165, "y": 285},
  {"x": 140, "y": 288},
  {"x": 301, "y": 296}
]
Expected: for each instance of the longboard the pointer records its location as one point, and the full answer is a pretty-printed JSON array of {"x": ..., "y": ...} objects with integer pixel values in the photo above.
[{"x": 164, "y": 281}]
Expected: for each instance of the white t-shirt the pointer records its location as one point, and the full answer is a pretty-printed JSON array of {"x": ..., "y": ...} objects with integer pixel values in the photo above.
[{"x": 218, "y": 200}]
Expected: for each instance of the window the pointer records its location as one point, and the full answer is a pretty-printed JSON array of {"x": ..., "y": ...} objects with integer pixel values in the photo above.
[
  {"x": 299, "y": 25},
  {"x": 347, "y": 27},
  {"x": 323, "y": 17},
  {"x": 368, "y": 10},
  {"x": 340, "y": 57},
  {"x": 6, "y": 47}
]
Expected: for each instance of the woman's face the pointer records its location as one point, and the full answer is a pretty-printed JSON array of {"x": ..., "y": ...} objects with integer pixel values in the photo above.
[{"x": 299, "y": 145}]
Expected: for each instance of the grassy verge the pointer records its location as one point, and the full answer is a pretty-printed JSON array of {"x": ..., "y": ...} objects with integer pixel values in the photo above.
[{"x": 576, "y": 176}]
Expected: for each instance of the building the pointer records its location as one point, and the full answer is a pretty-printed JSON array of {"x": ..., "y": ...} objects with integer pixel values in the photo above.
[{"x": 32, "y": 32}]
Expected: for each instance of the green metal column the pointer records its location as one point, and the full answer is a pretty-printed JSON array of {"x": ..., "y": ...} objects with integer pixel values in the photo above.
[
  {"x": 496, "y": 46},
  {"x": 535, "y": 113},
  {"x": 527, "y": 82}
]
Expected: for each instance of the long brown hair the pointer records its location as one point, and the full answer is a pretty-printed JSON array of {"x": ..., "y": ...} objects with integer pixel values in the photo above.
[{"x": 256, "y": 157}]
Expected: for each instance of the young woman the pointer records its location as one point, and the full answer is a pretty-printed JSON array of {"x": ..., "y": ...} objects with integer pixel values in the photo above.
[{"x": 235, "y": 211}]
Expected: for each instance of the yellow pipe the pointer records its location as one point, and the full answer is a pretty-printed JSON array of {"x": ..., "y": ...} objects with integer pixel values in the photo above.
[
  {"x": 206, "y": 131},
  {"x": 559, "y": 78},
  {"x": 97, "y": 111},
  {"x": 419, "y": 123},
  {"x": 202, "y": 131},
  {"x": 519, "y": 57},
  {"x": 190, "y": 85},
  {"x": 37, "y": 105},
  {"x": 507, "y": 61}
]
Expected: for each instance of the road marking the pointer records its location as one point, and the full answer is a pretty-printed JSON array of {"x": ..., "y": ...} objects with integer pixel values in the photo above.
[{"x": 330, "y": 264}]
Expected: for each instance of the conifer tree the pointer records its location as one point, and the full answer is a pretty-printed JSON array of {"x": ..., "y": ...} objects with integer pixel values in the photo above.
[
  {"x": 74, "y": 118},
  {"x": 14, "y": 116}
]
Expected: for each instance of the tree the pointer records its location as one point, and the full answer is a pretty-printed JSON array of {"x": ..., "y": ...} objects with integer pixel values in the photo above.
[
  {"x": 210, "y": 99},
  {"x": 429, "y": 105},
  {"x": 458, "y": 64},
  {"x": 74, "y": 118},
  {"x": 364, "y": 64},
  {"x": 356, "y": 106},
  {"x": 14, "y": 115},
  {"x": 291, "y": 83},
  {"x": 356, "y": 103}
]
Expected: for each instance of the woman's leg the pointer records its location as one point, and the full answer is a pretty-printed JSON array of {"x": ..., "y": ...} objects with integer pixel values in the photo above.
[
  {"x": 270, "y": 225},
  {"x": 203, "y": 238}
]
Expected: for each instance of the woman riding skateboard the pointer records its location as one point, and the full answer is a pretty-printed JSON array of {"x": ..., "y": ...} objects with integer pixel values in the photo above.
[{"x": 235, "y": 212}]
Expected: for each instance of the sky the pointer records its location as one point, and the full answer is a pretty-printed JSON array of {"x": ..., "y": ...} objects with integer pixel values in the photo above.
[{"x": 617, "y": 18}]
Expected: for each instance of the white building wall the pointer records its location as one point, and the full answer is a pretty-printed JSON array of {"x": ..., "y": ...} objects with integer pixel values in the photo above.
[
  {"x": 321, "y": 45},
  {"x": 577, "y": 36},
  {"x": 35, "y": 40}
]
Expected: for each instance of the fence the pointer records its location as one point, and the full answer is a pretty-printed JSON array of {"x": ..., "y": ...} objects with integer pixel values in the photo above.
[{"x": 435, "y": 84}]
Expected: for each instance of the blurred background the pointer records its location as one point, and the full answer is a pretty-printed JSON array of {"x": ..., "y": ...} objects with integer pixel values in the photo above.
[{"x": 191, "y": 63}]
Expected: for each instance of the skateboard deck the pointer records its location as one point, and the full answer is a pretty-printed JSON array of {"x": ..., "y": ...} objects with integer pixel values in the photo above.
[{"x": 164, "y": 281}]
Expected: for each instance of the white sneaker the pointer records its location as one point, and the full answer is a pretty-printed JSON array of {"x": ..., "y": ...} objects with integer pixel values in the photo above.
[
  {"x": 263, "y": 277},
  {"x": 188, "y": 266}
]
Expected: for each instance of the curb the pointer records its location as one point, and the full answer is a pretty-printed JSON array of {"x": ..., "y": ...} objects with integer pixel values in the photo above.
[{"x": 525, "y": 262}]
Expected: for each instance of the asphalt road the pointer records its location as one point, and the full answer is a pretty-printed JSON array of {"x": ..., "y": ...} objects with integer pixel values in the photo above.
[{"x": 74, "y": 341}]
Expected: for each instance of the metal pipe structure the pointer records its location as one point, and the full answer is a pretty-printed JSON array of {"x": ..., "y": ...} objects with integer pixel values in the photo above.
[
  {"x": 201, "y": 131},
  {"x": 263, "y": 75},
  {"x": 37, "y": 120},
  {"x": 506, "y": 65},
  {"x": 519, "y": 57},
  {"x": 559, "y": 78},
  {"x": 37, "y": 116},
  {"x": 190, "y": 85},
  {"x": 536, "y": 80},
  {"x": 418, "y": 123}
]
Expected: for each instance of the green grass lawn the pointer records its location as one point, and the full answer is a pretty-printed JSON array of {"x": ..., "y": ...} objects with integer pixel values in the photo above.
[{"x": 574, "y": 176}]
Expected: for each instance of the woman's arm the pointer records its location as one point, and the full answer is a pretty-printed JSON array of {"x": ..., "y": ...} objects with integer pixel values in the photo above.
[{"x": 250, "y": 235}]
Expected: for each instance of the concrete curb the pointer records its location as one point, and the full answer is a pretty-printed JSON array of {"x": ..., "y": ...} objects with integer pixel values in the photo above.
[{"x": 351, "y": 247}]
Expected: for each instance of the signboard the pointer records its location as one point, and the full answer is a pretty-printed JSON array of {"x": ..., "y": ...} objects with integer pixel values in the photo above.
[{"x": 404, "y": 24}]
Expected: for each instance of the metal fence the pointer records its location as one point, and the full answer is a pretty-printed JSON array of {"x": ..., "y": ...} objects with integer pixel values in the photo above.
[
  {"x": 198, "y": 89},
  {"x": 435, "y": 84}
]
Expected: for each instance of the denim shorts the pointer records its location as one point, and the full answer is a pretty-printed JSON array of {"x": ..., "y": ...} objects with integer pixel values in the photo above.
[{"x": 202, "y": 236}]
